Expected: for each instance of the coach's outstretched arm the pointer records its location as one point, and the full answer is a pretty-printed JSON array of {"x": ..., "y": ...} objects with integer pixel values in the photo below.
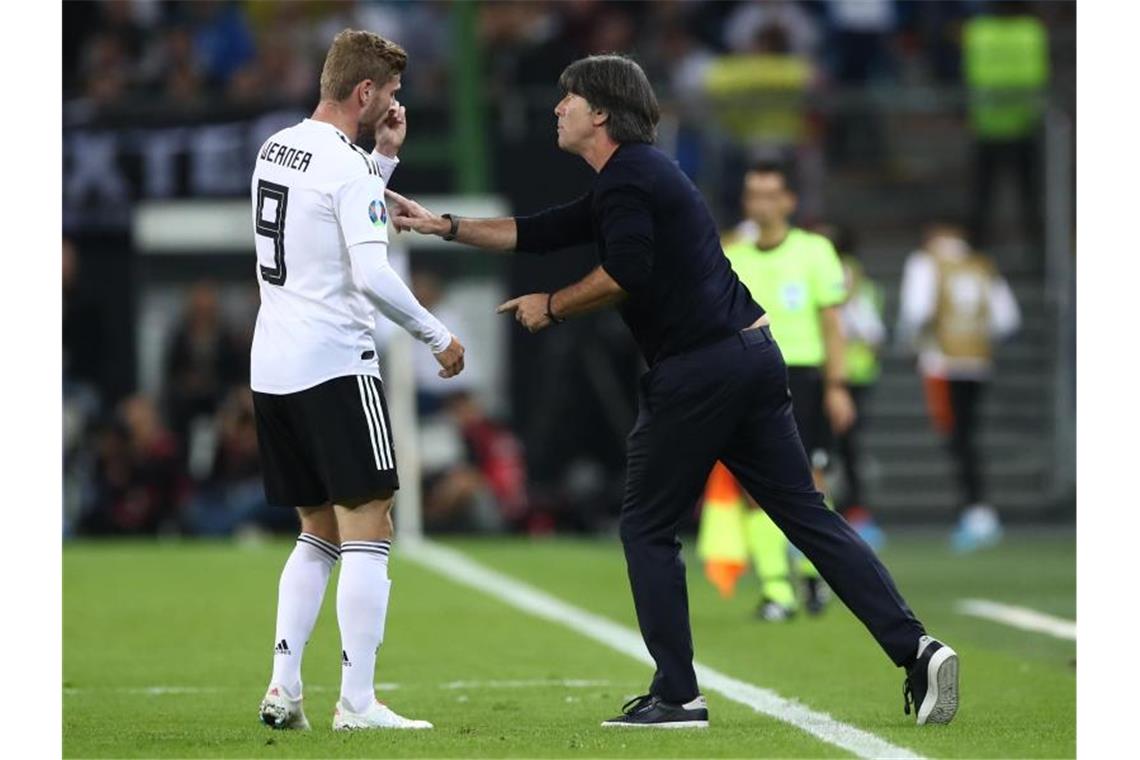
[{"x": 558, "y": 227}]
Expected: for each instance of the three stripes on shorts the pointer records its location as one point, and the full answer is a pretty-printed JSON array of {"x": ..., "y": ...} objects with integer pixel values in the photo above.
[{"x": 377, "y": 423}]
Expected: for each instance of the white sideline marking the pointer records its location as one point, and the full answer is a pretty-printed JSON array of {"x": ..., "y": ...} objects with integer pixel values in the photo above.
[
  {"x": 573, "y": 683},
  {"x": 158, "y": 691},
  {"x": 1019, "y": 617},
  {"x": 465, "y": 571}
]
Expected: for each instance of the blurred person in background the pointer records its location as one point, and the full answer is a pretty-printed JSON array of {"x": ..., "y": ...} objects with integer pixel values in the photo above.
[
  {"x": 223, "y": 41},
  {"x": 953, "y": 305},
  {"x": 203, "y": 359},
  {"x": 232, "y": 497},
  {"x": 83, "y": 346},
  {"x": 798, "y": 276},
  {"x": 432, "y": 391},
  {"x": 485, "y": 490},
  {"x": 1005, "y": 59},
  {"x": 860, "y": 53},
  {"x": 140, "y": 484},
  {"x": 865, "y": 334},
  {"x": 758, "y": 95}
]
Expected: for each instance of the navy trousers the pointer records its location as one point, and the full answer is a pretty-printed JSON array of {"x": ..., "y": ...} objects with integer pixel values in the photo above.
[{"x": 730, "y": 401}]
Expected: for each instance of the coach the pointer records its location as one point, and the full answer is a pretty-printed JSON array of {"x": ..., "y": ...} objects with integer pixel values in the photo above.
[{"x": 716, "y": 388}]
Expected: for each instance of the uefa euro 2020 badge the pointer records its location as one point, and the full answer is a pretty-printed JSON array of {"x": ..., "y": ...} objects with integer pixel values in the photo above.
[{"x": 377, "y": 213}]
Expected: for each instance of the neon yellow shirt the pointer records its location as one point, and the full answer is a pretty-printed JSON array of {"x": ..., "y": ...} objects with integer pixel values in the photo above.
[{"x": 793, "y": 282}]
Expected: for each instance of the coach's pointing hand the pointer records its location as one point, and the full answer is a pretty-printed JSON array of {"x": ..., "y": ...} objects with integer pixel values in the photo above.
[
  {"x": 530, "y": 311},
  {"x": 451, "y": 358}
]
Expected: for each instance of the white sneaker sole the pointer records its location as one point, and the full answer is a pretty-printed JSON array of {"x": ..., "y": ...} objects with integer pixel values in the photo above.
[
  {"x": 351, "y": 724},
  {"x": 941, "y": 701}
]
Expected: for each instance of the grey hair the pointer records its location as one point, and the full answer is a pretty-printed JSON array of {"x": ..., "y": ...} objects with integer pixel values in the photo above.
[{"x": 617, "y": 85}]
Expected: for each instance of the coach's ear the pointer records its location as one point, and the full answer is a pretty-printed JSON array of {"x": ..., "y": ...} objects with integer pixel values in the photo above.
[{"x": 600, "y": 117}]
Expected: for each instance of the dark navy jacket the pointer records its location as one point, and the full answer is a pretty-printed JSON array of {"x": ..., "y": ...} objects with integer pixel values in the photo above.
[{"x": 657, "y": 240}]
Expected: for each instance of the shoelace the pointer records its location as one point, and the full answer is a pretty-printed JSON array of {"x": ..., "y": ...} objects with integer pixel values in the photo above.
[
  {"x": 908, "y": 696},
  {"x": 636, "y": 704}
]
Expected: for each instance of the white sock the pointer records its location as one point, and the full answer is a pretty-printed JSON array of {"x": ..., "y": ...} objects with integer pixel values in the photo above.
[
  {"x": 361, "y": 609},
  {"x": 299, "y": 597}
]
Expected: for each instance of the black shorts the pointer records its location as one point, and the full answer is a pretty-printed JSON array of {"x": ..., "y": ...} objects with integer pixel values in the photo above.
[
  {"x": 806, "y": 385},
  {"x": 331, "y": 443}
]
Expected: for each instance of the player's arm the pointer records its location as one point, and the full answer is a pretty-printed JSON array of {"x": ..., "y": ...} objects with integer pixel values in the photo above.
[
  {"x": 391, "y": 297},
  {"x": 549, "y": 230},
  {"x": 363, "y": 223}
]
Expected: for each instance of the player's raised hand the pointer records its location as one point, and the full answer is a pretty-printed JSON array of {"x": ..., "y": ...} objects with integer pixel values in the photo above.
[
  {"x": 392, "y": 129},
  {"x": 529, "y": 311},
  {"x": 451, "y": 358}
]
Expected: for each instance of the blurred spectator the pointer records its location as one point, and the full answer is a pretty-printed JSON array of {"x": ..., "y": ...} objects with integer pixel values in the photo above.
[
  {"x": 139, "y": 483},
  {"x": 171, "y": 67},
  {"x": 431, "y": 389},
  {"x": 486, "y": 489},
  {"x": 106, "y": 71},
  {"x": 860, "y": 53},
  {"x": 278, "y": 73},
  {"x": 83, "y": 344},
  {"x": 759, "y": 96},
  {"x": 82, "y": 350},
  {"x": 203, "y": 360},
  {"x": 232, "y": 498},
  {"x": 222, "y": 39},
  {"x": 754, "y": 20},
  {"x": 1006, "y": 67},
  {"x": 953, "y": 304},
  {"x": 860, "y": 44}
]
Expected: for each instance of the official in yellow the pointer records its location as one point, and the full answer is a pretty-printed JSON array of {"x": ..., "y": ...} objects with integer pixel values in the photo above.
[{"x": 798, "y": 276}]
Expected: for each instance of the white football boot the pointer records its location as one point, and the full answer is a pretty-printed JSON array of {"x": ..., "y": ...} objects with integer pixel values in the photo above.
[
  {"x": 279, "y": 710},
  {"x": 378, "y": 715}
]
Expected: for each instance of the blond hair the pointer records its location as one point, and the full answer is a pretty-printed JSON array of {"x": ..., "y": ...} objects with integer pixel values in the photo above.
[{"x": 356, "y": 55}]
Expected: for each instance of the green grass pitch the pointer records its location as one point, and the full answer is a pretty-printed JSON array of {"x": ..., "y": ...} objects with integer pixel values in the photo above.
[{"x": 195, "y": 622}]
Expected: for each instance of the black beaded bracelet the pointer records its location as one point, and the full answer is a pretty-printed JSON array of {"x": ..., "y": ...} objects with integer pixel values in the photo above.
[{"x": 550, "y": 311}]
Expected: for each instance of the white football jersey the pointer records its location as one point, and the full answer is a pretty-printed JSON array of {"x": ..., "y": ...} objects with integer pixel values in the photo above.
[{"x": 314, "y": 194}]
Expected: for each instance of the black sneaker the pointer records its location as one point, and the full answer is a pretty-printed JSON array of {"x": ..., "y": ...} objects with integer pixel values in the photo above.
[
  {"x": 931, "y": 684},
  {"x": 647, "y": 711},
  {"x": 816, "y": 595},
  {"x": 774, "y": 612}
]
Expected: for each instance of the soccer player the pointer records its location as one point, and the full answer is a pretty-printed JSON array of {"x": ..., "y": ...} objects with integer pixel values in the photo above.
[
  {"x": 322, "y": 421},
  {"x": 716, "y": 388}
]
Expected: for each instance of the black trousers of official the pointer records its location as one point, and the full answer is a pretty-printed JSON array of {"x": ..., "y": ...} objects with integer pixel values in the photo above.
[{"x": 730, "y": 401}]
